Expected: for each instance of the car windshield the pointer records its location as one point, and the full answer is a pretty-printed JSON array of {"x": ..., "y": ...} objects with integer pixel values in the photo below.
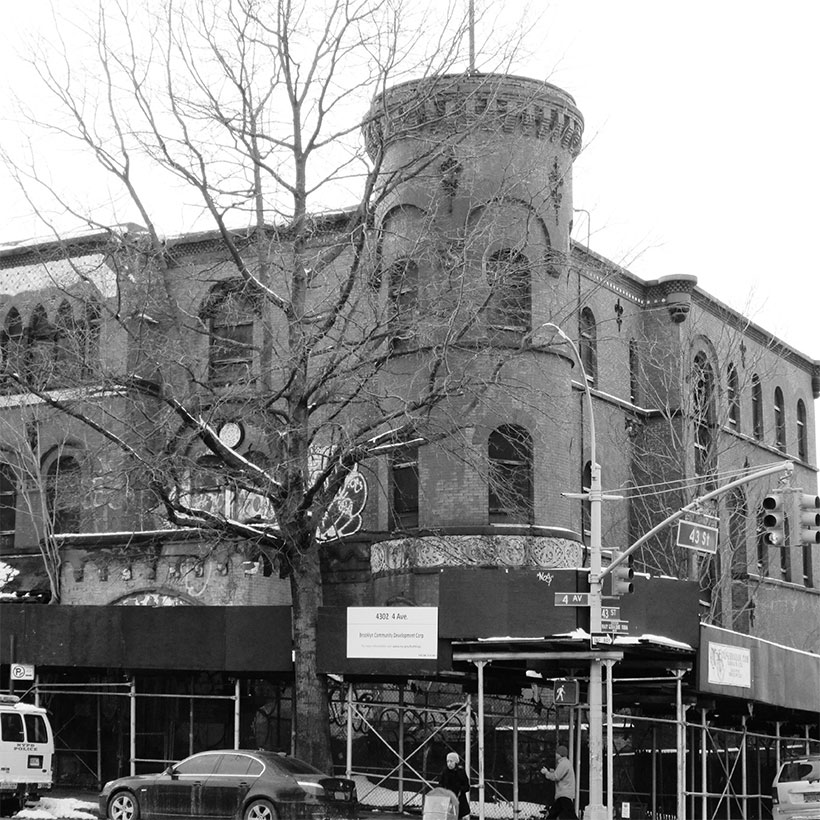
[{"x": 290, "y": 765}]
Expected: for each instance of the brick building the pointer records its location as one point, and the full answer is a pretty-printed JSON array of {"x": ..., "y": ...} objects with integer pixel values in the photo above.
[{"x": 687, "y": 395}]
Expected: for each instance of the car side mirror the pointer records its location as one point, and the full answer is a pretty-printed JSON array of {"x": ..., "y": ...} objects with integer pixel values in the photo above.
[{"x": 171, "y": 772}]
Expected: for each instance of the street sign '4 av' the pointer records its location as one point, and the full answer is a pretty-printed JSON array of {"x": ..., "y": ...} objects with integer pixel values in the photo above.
[
  {"x": 571, "y": 599},
  {"x": 697, "y": 536}
]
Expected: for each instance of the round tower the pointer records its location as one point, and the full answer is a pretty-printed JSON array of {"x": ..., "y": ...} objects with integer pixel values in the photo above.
[
  {"x": 473, "y": 223},
  {"x": 458, "y": 142}
]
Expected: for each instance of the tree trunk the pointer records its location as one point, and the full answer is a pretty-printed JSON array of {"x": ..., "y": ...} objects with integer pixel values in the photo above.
[{"x": 312, "y": 725}]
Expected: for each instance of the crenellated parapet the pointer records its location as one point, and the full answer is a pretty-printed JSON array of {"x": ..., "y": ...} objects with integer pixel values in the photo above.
[{"x": 463, "y": 103}]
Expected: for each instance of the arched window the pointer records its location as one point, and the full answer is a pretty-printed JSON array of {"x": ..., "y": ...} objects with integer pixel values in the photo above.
[
  {"x": 64, "y": 494},
  {"x": 703, "y": 412},
  {"x": 510, "y": 307},
  {"x": 808, "y": 573},
  {"x": 785, "y": 552},
  {"x": 757, "y": 408},
  {"x": 733, "y": 398},
  {"x": 586, "y": 507},
  {"x": 90, "y": 339},
  {"x": 231, "y": 323},
  {"x": 67, "y": 346},
  {"x": 40, "y": 349},
  {"x": 762, "y": 545},
  {"x": 634, "y": 372},
  {"x": 510, "y": 480},
  {"x": 404, "y": 488},
  {"x": 13, "y": 343},
  {"x": 216, "y": 489},
  {"x": 589, "y": 343},
  {"x": 738, "y": 523},
  {"x": 208, "y": 487},
  {"x": 8, "y": 506},
  {"x": 779, "y": 421},
  {"x": 738, "y": 513},
  {"x": 404, "y": 302},
  {"x": 802, "y": 432}
]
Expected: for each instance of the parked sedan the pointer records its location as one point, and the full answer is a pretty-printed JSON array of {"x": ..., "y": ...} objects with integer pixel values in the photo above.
[{"x": 232, "y": 784}]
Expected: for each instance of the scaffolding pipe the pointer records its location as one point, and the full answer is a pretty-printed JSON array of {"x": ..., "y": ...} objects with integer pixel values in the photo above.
[
  {"x": 237, "y": 716},
  {"x": 516, "y": 810},
  {"x": 99, "y": 743},
  {"x": 610, "y": 765},
  {"x": 349, "y": 750},
  {"x": 468, "y": 733},
  {"x": 133, "y": 739},
  {"x": 681, "y": 761},
  {"x": 577, "y": 758},
  {"x": 401, "y": 748},
  {"x": 191, "y": 722},
  {"x": 480, "y": 665},
  {"x": 703, "y": 768},
  {"x": 744, "y": 778},
  {"x": 654, "y": 785}
]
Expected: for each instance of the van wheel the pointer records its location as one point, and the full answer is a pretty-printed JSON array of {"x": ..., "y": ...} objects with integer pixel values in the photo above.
[
  {"x": 260, "y": 810},
  {"x": 123, "y": 806}
]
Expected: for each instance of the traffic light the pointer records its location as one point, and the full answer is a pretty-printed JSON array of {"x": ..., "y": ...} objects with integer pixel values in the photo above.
[
  {"x": 809, "y": 518},
  {"x": 622, "y": 575},
  {"x": 774, "y": 520}
]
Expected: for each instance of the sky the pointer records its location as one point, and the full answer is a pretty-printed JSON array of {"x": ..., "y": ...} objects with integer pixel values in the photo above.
[{"x": 700, "y": 145}]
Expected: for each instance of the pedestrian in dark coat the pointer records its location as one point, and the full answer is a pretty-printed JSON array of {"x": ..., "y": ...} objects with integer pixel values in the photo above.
[{"x": 454, "y": 778}]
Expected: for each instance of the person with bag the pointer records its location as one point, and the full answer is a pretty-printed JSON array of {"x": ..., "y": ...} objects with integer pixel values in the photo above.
[
  {"x": 454, "y": 778},
  {"x": 563, "y": 776}
]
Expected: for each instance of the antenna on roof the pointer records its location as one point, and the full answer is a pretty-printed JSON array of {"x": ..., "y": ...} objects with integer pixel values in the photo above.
[{"x": 471, "y": 32}]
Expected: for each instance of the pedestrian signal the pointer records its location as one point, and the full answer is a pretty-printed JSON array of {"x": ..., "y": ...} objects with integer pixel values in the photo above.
[{"x": 565, "y": 692}]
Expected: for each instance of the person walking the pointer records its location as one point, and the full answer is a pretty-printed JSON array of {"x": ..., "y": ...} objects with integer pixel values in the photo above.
[
  {"x": 454, "y": 778},
  {"x": 563, "y": 776}
]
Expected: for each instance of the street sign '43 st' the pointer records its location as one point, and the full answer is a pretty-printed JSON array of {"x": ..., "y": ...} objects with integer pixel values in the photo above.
[{"x": 697, "y": 536}]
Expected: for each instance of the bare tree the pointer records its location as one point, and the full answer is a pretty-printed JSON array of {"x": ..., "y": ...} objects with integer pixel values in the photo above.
[{"x": 316, "y": 329}]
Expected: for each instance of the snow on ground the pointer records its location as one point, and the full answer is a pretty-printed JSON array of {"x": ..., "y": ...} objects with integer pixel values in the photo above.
[{"x": 64, "y": 808}]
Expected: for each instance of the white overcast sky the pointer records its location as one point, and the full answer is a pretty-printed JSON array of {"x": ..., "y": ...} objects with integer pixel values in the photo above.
[{"x": 701, "y": 140}]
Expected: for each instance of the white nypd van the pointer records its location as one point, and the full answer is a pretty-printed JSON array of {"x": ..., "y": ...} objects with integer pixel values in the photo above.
[{"x": 26, "y": 751}]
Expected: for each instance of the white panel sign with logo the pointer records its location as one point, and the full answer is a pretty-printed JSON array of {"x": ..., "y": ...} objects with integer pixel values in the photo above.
[{"x": 730, "y": 665}]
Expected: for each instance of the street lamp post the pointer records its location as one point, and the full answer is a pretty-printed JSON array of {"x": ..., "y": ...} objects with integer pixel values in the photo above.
[{"x": 595, "y": 809}]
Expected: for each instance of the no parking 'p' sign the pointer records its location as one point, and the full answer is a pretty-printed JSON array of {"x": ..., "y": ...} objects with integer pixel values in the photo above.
[{"x": 22, "y": 671}]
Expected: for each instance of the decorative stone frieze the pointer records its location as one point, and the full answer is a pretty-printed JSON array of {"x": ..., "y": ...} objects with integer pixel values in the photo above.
[{"x": 429, "y": 552}]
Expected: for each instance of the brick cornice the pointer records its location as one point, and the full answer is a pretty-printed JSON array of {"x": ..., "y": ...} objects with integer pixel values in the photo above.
[{"x": 460, "y": 104}]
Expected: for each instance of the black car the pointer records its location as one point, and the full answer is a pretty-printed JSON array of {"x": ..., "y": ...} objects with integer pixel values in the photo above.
[{"x": 237, "y": 784}]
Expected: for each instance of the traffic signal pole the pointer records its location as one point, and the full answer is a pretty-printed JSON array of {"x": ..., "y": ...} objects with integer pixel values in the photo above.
[
  {"x": 779, "y": 467},
  {"x": 595, "y": 810}
]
